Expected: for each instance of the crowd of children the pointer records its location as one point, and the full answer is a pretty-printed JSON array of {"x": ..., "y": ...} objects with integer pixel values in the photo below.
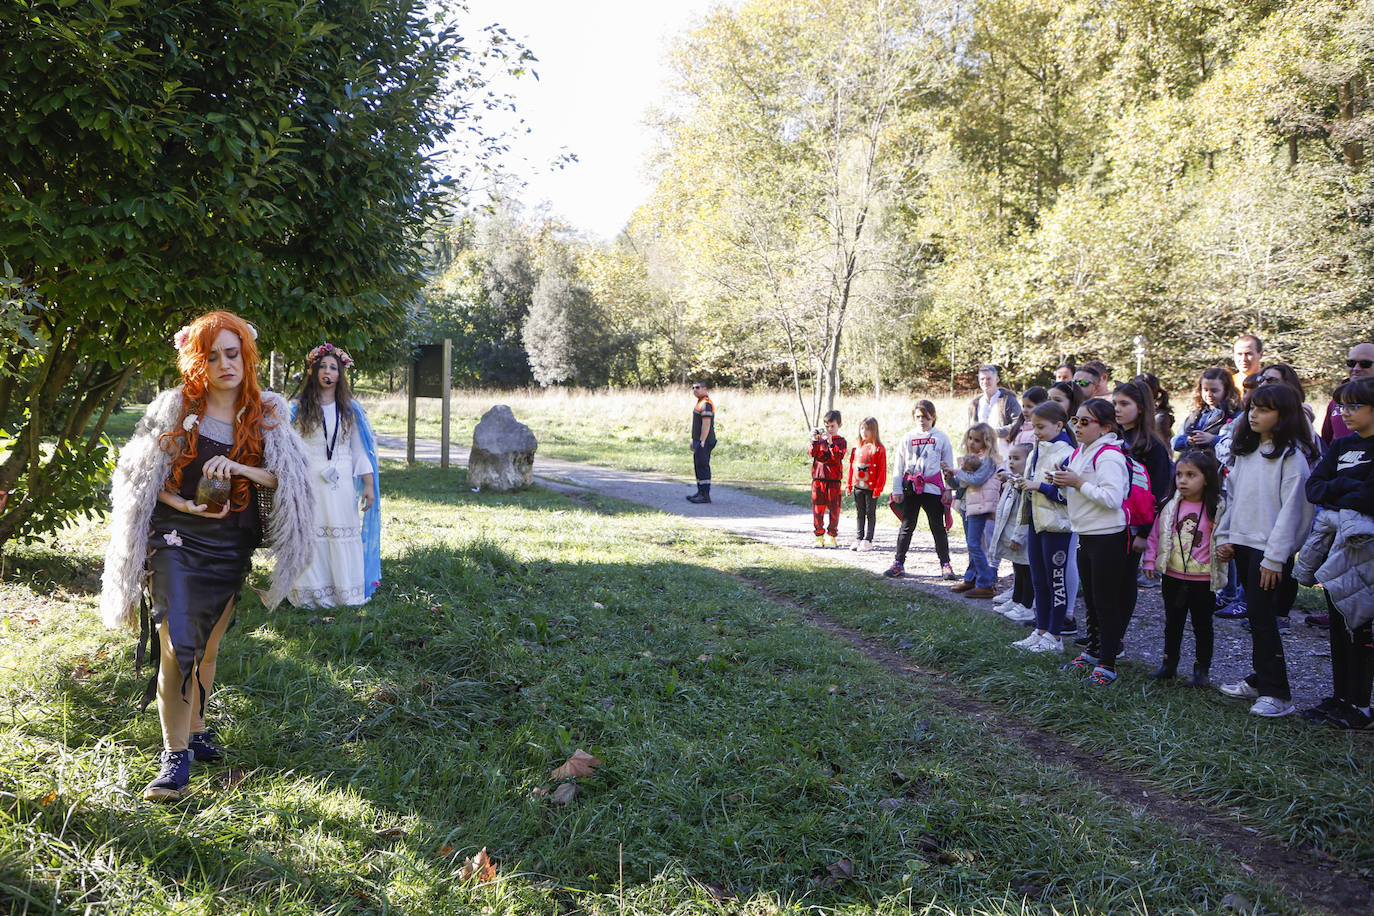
[{"x": 1081, "y": 489}]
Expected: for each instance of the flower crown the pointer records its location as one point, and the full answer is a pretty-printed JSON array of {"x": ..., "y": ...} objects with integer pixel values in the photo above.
[
  {"x": 328, "y": 349},
  {"x": 183, "y": 336}
]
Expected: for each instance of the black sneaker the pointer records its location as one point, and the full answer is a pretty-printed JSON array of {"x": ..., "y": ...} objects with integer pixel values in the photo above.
[
  {"x": 1322, "y": 710},
  {"x": 699, "y": 498},
  {"x": 1081, "y": 641},
  {"x": 1070, "y": 627},
  {"x": 203, "y": 747},
  {"x": 1347, "y": 716},
  {"x": 172, "y": 778}
]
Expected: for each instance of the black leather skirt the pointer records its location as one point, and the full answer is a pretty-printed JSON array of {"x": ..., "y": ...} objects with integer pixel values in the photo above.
[{"x": 197, "y": 566}]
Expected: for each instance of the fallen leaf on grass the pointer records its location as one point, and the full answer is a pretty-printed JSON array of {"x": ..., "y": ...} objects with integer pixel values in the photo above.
[
  {"x": 703, "y": 657},
  {"x": 391, "y": 831},
  {"x": 48, "y": 799},
  {"x": 446, "y": 850},
  {"x": 80, "y": 673},
  {"x": 479, "y": 866},
  {"x": 539, "y": 793},
  {"x": 579, "y": 764},
  {"x": 564, "y": 793},
  {"x": 718, "y": 891},
  {"x": 231, "y": 778}
]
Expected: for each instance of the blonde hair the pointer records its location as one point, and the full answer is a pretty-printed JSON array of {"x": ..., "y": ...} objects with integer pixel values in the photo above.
[{"x": 988, "y": 436}]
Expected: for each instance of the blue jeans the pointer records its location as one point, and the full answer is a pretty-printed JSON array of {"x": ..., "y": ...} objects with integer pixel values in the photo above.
[
  {"x": 980, "y": 573},
  {"x": 1049, "y": 555}
]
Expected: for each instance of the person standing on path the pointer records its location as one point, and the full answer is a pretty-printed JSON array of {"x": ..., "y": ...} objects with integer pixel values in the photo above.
[
  {"x": 827, "y": 474},
  {"x": 703, "y": 440},
  {"x": 919, "y": 484},
  {"x": 1360, "y": 364},
  {"x": 996, "y": 406}
]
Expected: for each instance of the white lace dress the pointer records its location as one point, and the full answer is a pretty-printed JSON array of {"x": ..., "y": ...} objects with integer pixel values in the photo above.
[{"x": 335, "y": 576}]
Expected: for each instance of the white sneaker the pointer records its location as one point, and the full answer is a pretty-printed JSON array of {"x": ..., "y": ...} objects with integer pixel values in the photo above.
[
  {"x": 1004, "y": 597},
  {"x": 856, "y": 546},
  {"x": 1030, "y": 642},
  {"x": 1017, "y": 613},
  {"x": 1241, "y": 690},
  {"x": 868, "y": 545},
  {"x": 1048, "y": 643},
  {"x": 1272, "y": 707}
]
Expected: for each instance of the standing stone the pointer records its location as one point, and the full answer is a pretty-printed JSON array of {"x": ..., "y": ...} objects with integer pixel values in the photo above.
[{"x": 502, "y": 455}]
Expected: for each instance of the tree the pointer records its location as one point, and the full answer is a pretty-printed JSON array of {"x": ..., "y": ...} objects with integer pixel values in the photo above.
[
  {"x": 566, "y": 333},
  {"x": 160, "y": 159},
  {"x": 797, "y": 123}
]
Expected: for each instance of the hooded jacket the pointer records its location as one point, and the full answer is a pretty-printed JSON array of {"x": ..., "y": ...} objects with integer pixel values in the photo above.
[{"x": 1044, "y": 506}]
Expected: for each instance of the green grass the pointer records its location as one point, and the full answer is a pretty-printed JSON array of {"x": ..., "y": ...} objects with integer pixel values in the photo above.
[
  {"x": 742, "y": 750},
  {"x": 762, "y": 440}
]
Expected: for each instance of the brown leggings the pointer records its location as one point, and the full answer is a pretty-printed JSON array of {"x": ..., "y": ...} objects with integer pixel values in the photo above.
[{"x": 183, "y": 716}]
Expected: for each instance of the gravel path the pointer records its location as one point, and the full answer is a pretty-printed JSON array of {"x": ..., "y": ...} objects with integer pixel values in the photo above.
[{"x": 772, "y": 522}]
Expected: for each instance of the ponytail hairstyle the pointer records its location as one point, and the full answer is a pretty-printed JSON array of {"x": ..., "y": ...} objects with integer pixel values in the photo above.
[
  {"x": 1055, "y": 414},
  {"x": 1072, "y": 391},
  {"x": 1146, "y": 428},
  {"x": 1210, "y": 469},
  {"x": 250, "y": 413},
  {"x": 1104, "y": 413},
  {"x": 1292, "y": 433}
]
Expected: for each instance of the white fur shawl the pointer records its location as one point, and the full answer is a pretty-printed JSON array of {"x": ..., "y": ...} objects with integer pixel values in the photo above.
[{"x": 142, "y": 470}]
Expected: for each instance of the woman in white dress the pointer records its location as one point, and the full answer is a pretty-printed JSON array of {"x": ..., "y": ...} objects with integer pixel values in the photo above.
[{"x": 343, "y": 465}]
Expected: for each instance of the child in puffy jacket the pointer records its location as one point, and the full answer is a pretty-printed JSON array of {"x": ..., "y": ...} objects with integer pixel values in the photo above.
[
  {"x": 867, "y": 476},
  {"x": 977, "y": 475},
  {"x": 827, "y": 475},
  {"x": 1009, "y": 536}
]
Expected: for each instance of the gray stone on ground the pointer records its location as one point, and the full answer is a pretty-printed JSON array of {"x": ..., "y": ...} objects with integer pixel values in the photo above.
[{"x": 502, "y": 455}]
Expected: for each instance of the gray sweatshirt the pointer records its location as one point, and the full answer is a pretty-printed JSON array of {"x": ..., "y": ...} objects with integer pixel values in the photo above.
[{"x": 1267, "y": 506}]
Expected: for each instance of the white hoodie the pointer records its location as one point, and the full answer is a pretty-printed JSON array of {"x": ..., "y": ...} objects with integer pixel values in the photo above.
[
  {"x": 1095, "y": 507},
  {"x": 1268, "y": 508}
]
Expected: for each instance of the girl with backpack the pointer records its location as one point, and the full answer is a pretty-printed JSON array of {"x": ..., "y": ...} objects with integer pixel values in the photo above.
[
  {"x": 1049, "y": 540},
  {"x": 1135, "y": 413},
  {"x": 1096, "y": 482}
]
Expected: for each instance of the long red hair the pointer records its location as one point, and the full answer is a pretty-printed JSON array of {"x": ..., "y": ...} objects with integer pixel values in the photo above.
[{"x": 250, "y": 413}]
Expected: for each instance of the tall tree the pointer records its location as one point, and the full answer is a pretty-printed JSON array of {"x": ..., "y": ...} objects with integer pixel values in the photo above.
[{"x": 793, "y": 129}]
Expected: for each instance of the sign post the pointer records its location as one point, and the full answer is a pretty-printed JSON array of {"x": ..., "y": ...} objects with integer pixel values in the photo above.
[{"x": 429, "y": 377}]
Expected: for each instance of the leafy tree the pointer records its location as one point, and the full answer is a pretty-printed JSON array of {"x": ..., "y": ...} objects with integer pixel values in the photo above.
[
  {"x": 792, "y": 131},
  {"x": 160, "y": 159},
  {"x": 566, "y": 333}
]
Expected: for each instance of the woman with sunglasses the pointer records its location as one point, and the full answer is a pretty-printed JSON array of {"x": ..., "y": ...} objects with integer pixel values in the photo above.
[{"x": 1095, "y": 482}]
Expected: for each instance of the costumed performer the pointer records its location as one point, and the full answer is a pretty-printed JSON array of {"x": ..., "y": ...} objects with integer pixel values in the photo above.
[
  {"x": 343, "y": 474},
  {"x": 213, "y": 469}
]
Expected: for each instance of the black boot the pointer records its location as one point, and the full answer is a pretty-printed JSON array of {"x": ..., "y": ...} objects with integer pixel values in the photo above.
[
  {"x": 1199, "y": 678},
  {"x": 1166, "y": 670},
  {"x": 703, "y": 494}
]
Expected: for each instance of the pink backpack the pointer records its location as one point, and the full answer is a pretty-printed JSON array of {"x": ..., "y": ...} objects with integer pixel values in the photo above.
[{"x": 1139, "y": 502}]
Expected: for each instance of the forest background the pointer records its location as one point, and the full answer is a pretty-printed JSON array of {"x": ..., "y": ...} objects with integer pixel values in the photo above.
[
  {"x": 868, "y": 196},
  {"x": 884, "y": 195}
]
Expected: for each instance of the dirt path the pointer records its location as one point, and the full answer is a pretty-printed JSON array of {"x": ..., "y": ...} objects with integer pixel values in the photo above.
[{"x": 772, "y": 522}]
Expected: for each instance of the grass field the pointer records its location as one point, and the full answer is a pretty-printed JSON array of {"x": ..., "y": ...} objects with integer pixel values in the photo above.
[
  {"x": 750, "y": 763},
  {"x": 762, "y": 440}
]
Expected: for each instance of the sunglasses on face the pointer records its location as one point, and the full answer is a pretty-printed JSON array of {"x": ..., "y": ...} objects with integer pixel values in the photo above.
[
  {"x": 1362, "y": 363},
  {"x": 1082, "y": 382},
  {"x": 1079, "y": 421}
]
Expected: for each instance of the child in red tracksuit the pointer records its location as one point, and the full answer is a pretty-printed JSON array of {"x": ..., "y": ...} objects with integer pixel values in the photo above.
[{"x": 827, "y": 474}]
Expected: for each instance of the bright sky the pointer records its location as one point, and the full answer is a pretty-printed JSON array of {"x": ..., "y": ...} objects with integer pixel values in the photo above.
[{"x": 601, "y": 67}]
